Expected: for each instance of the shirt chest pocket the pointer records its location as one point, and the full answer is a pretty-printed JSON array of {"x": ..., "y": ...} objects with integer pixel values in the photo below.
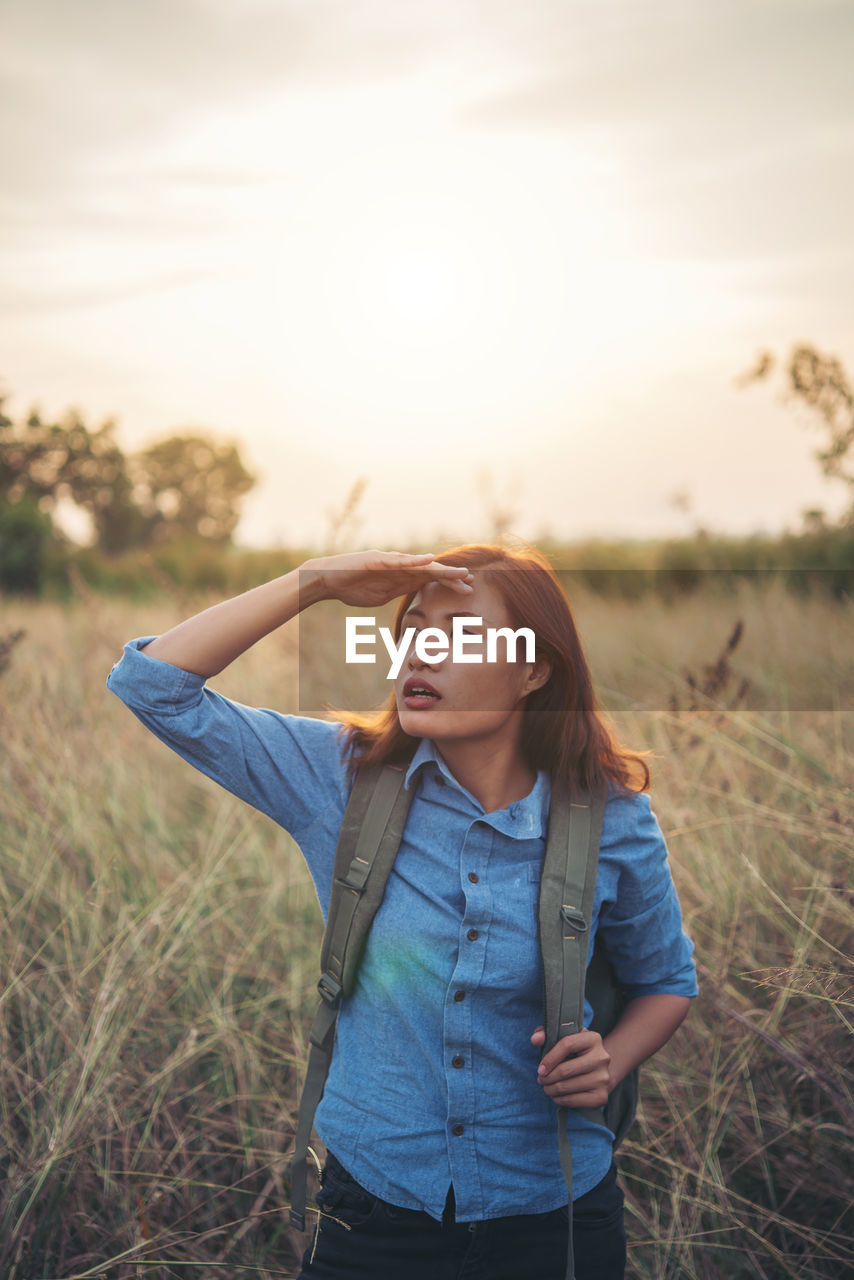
[
  {"x": 515, "y": 954},
  {"x": 525, "y": 896}
]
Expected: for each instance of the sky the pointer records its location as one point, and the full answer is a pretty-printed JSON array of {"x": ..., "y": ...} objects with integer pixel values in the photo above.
[{"x": 477, "y": 252}]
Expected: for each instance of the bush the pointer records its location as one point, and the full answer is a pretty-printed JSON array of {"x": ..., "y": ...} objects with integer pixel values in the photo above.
[{"x": 26, "y": 534}]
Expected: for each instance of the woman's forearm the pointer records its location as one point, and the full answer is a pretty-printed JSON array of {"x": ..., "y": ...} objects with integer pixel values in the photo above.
[
  {"x": 209, "y": 641},
  {"x": 646, "y": 1024}
]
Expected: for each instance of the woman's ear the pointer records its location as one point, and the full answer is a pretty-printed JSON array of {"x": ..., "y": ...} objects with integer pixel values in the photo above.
[{"x": 539, "y": 674}]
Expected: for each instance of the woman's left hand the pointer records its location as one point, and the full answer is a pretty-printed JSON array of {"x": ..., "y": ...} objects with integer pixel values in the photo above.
[{"x": 576, "y": 1072}]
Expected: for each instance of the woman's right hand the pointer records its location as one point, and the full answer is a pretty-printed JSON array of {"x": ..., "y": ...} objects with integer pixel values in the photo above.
[{"x": 375, "y": 577}]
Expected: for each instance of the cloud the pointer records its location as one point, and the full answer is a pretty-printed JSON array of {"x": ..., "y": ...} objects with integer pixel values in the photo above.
[
  {"x": 665, "y": 71},
  {"x": 98, "y": 78},
  {"x": 725, "y": 130},
  {"x": 716, "y": 133},
  {"x": 50, "y": 300}
]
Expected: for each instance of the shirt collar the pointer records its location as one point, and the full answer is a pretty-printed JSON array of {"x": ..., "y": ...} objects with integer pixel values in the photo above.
[
  {"x": 425, "y": 752},
  {"x": 526, "y": 818}
]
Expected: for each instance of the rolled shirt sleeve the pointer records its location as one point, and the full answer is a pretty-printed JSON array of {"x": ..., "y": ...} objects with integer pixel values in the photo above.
[
  {"x": 291, "y": 768},
  {"x": 639, "y": 913}
]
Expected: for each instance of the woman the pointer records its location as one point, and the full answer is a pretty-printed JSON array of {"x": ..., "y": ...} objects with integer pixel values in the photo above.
[{"x": 437, "y": 1115}]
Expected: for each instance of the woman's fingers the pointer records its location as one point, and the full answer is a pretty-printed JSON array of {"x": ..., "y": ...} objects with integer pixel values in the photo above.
[
  {"x": 569, "y": 1048},
  {"x": 422, "y": 569},
  {"x": 585, "y": 1068},
  {"x": 586, "y": 1098},
  {"x": 399, "y": 559},
  {"x": 431, "y": 568},
  {"x": 588, "y": 1089},
  {"x": 456, "y": 576},
  {"x": 376, "y": 577},
  {"x": 575, "y": 1072}
]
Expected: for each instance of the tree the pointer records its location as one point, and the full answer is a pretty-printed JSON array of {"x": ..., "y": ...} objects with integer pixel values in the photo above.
[
  {"x": 25, "y": 533},
  {"x": 820, "y": 382},
  {"x": 187, "y": 485},
  {"x": 49, "y": 461}
]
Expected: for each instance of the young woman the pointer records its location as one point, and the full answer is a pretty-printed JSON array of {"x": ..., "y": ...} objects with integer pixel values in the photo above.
[{"x": 438, "y": 1115}]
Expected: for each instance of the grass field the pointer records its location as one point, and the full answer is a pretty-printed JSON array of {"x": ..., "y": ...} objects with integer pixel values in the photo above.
[{"x": 159, "y": 942}]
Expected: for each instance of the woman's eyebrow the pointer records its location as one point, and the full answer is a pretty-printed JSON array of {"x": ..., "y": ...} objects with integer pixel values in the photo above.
[{"x": 455, "y": 613}]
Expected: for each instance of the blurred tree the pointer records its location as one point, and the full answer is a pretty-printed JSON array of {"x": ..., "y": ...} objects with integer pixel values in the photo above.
[
  {"x": 49, "y": 461},
  {"x": 25, "y": 534},
  {"x": 189, "y": 485},
  {"x": 820, "y": 382}
]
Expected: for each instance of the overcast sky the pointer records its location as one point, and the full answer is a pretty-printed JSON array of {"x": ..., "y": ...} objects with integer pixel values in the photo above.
[{"x": 416, "y": 241}]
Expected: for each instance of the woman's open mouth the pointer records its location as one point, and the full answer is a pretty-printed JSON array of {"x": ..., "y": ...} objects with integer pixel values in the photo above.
[{"x": 418, "y": 694}]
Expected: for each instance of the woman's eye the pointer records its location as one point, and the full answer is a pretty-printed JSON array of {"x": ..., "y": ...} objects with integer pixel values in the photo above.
[{"x": 447, "y": 632}]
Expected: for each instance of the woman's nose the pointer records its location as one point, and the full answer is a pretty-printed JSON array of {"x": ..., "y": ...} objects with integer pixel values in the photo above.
[{"x": 415, "y": 663}]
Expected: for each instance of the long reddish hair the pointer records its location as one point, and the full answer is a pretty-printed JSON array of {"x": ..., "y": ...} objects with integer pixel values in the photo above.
[{"x": 563, "y": 731}]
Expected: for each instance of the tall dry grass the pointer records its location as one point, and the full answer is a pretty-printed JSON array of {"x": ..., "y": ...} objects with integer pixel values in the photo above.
[{"x": 159, "y": 943}]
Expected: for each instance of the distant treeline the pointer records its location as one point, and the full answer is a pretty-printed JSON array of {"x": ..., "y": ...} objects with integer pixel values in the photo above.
[
  {"x": 164, "y": 517},
  {"x": 820, "y": 561}
]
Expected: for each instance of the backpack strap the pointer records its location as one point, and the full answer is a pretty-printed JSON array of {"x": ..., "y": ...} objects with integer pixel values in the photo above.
[
  {"x": 567, "y": 888},
  {"x": 608, "y": 1001},
  {"x": 367, "y": 844}
]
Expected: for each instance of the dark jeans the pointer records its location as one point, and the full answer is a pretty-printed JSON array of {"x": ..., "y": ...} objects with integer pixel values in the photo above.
[{"x": 360, "y": 1237}]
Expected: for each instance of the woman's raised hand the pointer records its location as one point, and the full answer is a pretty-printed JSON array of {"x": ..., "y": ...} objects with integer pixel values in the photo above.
[
  {"x": 375, "y": 577},
  {"x": 209, "y": 641}
]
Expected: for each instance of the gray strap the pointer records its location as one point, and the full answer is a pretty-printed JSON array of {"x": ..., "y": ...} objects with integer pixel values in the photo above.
[
  {"x": 567, "y": 887},
  {"x": 565, "y": 910},
  {"x": 367, "y": 844},
  {"x": 565, "y": 1153},
  {"x": 576, "y": 910},
  {"x": 319, "y": 1056},
  {"x": 338, "y": 961}
]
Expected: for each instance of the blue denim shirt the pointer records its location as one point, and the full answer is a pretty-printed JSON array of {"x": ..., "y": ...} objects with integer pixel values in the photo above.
[{"x": 434, "y": 1077}]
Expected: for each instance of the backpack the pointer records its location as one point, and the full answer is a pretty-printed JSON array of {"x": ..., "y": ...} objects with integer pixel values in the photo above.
[{"x": 367, "y": 845}]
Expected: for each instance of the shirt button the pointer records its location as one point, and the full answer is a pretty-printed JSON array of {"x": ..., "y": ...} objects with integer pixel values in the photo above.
[
  {"x": 457, "y": 1130},
  {"x": 472, "y": 935},
  {"x": 458, "y": 1061},
  {"x": 459, "y": 995},
  {"x": 473, "y": 877}
]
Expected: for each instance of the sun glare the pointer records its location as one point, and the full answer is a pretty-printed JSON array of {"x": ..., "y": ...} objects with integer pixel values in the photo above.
[
  {"x": 417, "y": 286},
  {"x": 449, "y": 284}
]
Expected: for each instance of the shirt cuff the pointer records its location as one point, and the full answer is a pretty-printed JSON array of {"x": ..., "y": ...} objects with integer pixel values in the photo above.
[
  {"x": 680, "y": 984},
  {"x": 151, "y": 683}
]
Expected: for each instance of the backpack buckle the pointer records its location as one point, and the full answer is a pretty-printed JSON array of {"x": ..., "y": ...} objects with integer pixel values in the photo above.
[
  {"x": 573, "y": 917},
  {"x": 353, "y": 886},
  {"x": 330, "y": 990}
]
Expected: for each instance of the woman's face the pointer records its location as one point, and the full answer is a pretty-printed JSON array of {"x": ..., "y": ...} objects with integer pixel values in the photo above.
[{"x": 463, "y": 699}]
